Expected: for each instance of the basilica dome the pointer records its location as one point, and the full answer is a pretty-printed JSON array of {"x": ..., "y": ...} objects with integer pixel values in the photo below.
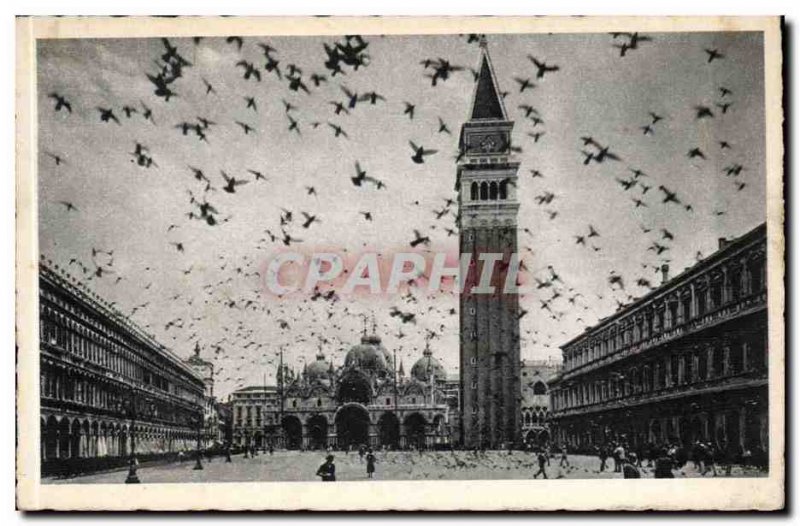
[
  {"x": 370, "y": 355},
  {"x": 318, "y": 371},
  {"x": 428, "y": 366}
]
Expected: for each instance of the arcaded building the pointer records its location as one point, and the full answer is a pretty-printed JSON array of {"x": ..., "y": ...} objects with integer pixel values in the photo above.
[
  {"x": 107, "y": 388},
  {"x": 686, "y": 362}
]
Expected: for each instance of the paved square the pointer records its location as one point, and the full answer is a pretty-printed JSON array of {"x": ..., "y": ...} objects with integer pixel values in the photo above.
[{"x": 393, "y": 465}]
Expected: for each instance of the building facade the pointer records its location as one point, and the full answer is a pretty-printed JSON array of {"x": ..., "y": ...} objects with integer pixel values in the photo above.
[
  {"x": 107, "y": 389},
  {"x": 535, "y": 402},
  {"x": 686, "y": 362},
  {"x": 255, "y": 415},
  {"x": 212, "y": 426},
  {"x": 489, "y": 322},
  {"x": 365, "y": 401}
]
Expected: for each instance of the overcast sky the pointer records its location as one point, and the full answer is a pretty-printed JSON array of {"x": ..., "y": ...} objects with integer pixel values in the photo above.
[{"x": 127, "y": 209}]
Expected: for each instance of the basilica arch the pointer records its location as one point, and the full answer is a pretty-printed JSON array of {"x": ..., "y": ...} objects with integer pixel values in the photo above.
[
  {"x": 317, "y": 432},
  {"x": 352, "y": 425},
  {"x": 389, "y": 430},
  {"x": 293, "y": 431},
  {"x": 414, "y": 426}
]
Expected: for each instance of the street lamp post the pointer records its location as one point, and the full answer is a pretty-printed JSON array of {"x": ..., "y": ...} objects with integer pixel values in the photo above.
[
  {"x": 132, "y": 478},
  {"x": 281, "y": 400},
  {"x": 199, "y": 463}
]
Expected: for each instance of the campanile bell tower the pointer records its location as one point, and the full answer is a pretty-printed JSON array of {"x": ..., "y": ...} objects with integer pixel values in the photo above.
[{"x": 489, "y": 322}]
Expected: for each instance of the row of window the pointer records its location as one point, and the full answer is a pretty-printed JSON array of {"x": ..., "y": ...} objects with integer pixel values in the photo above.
[
  {"x": 60, "y": 386},
  {"x": 87, "y": 343},
  {"x": 534, "y": 419},
  {"x": 488, "y": 191},
  {"x": 681, "y": 368},
  {"x": 691, "y": 304}
]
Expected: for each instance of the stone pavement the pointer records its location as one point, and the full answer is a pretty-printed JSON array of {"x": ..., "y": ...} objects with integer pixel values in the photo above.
[{"x": 393, "y": 465}]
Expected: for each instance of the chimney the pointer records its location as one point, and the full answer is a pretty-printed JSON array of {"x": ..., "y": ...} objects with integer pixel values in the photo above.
[
  {"x": 722, "y": 243},
  {"x": 664, "y": 273}
]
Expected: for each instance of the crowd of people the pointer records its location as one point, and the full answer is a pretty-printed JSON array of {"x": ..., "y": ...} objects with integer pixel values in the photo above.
[
  {"x": 617, "y": 456},
  {"x": 662, "y": 459}
]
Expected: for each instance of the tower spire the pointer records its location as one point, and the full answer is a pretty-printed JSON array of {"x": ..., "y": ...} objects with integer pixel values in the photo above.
[{"x": 487, "y": 104}]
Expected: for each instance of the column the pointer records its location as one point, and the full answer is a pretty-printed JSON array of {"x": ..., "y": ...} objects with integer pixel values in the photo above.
[
  {"x": 668, "y": 372},
  {"x": 745, "y": 352},
  {"x": 709, "y": 357},
  {"x": 726, "y": 358},
  {"x": 83, "y": 444}
]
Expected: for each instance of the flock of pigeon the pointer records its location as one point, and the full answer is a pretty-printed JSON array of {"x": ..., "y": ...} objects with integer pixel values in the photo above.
[{"x": 239, "y": 350}]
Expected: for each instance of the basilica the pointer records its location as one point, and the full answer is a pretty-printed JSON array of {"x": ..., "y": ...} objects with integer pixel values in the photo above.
[{"x": 365, "y": 400}]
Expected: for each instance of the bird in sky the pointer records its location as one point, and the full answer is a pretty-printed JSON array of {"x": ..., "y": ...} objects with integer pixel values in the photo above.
[
  {"x": 250, "y": 70},
  {"x": 524, "y": 84},
  {"x": 713, "y": 54},
  {"x": 246, "y": 128},
  {"x": 235, "y": 40},
  {"x": 231, "y": 182},
  {"x": 56, "y": 158},
  {"x": 409, "y": 110},
  {"x": 61, "y": 102},
  {"x": 107, "y": 115},
  {"x": 542, "y": 68},
  {"x": 69, "y": 206},
  {"x": 702, "y": 112},
  {"x": 696, "y": 152},
  {"x": 338, "y": 130},
  {"x": 419, "y": 239},
  {"x": 209, "y": 88},
  {"x": 420, "y": 153}
]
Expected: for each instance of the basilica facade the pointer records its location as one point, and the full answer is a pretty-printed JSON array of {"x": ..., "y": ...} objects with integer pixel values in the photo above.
[{"x": 364, "y": 401}]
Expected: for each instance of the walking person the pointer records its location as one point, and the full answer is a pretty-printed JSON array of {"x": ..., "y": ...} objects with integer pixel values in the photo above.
[
  {"x": 564, "y": 462},
  {"x": 707, "y": 456},
  {"x": 603, "y": 454},
  {"x": 542, "y": 459},
  {"x": 370, "y": 463},
  {"x": 619, "y": 456},
  {"x": 327, "y": 471}
]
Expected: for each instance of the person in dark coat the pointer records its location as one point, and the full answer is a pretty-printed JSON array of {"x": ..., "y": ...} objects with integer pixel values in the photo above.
[
  {"x": 327, "y": 471},
  {"x": 370, "y": 463},
  {"x": 663, "y": 469},
  {"x": 629, "y": 469},
  {"x": 542, "y": 458},
  {"x": 603, "y": 454}
]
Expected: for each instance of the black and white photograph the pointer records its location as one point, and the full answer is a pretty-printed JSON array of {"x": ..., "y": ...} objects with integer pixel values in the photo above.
[{"x": 367, "y": 257}]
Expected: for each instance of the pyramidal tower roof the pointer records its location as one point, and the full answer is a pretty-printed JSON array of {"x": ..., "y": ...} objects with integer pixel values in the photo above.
[{"x": 486, "y": 101}]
